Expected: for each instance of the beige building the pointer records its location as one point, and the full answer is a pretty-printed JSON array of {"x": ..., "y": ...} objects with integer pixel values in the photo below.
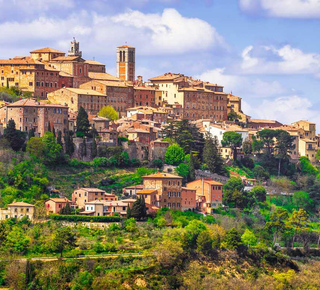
[
  {"x": 31, "y": 114},
  {"x": 168, "y": 187},
  {"x": 83, "y": 195},
  {"x": 209, "y": 193},
  {"x": 18, "y": 210},
  {"x": 91, "y": 101},
  {"x": 119, "y": 94},
  {"x": 198, "y": 99}
]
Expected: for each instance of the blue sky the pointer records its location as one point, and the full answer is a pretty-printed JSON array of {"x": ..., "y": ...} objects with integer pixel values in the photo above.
[{"x": 265, "y": 51}]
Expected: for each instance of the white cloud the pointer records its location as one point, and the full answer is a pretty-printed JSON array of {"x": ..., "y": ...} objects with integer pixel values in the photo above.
[
  {"x": 286, "y": 109},
  {"x": 243, "y": 86},
  {"x": 171, "y": 32},
  {"x": 284, "y": 60},
  {"x": 283, "y": 8},
  {"x": 166, "y": 33}
]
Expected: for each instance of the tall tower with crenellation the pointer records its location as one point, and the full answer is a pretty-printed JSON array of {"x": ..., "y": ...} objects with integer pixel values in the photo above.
[
  {"x": 74, "y": 49},
  {"x": 126, "y": 62}
]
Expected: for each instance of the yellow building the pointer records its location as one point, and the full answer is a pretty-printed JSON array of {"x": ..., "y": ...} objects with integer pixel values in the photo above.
[
  {"x": 18, "y": 210},
  {"x": 92, "y": 101}
]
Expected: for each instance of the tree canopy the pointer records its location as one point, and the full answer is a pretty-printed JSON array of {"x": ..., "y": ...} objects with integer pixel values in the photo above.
[{"x": 108, "y": 112}]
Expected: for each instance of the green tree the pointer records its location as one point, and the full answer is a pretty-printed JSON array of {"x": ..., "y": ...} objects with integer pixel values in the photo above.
[
  {"x": 15, "y": 137},
  {"x": 233, "y": 140},
  {"x": 131, "y": 225},
  {"x": 52, "y": 149},
  {"x": 84, "y": 148},
  {"x": 82, "y": 122},
  {"x": 260, "y": 173},
  {"x": 233, "y": 116},
  {"x": 284, "y": 146},
  {"x": 248, "y": 238},
  {"x": 277, "y": 223},
  {"x": 66, "y": 210},
  {"x": 183, "y": 170},
  {"x": 301, "y": 199},
  {"x": 267, "y": 136},
  {"x": 298, "y": 221},
  {"x": 64, "y": 238},
  {"x": 157, "y": 163},
  {"x": 174, "y": 155},
  {"x": 31, "y": 134},
  {"x": 17, "y": 242},
  {"x": 259, "y": 193},
  {"x": 233, "y": 191},
  {"x": 211, "y": 156},
  {"x": 109, "y": 112},
  {"x": 247, "y": 147},
  {"x": 94, "y": 150},
  {"x": 306, "y": 167},
  {"x": 191, "y": 168},
  {"x": 204, "y": 243},
  {"x": 36, "y": 147},
  {"x": 232, "y": 240},
  {"x": 139, "y": 210},
  {"x": 68, "y": 142},
  {"x": 59, "y": 139}
]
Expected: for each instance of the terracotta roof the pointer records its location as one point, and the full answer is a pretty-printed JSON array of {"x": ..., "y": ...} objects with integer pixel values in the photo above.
[
  {"x": 134, "y": 186},
  {"x": 146, "y": 191},
  {"x": 46, "y": 49},
  {"x": 125, "y": 46},
  {"x": 166, "y": 77},
  {"x": 66, "y": 58},
  {"x": 234, "y": 98},
  {"x": 93, "y": 62},
  {"x": 84, "y": 92},
  {"x": 162, "y": 175},
  {"x": 263, "y": 121},
  {"x": 60, "y": 199},
  {"x": 212, "y": 182},
  {"x": 145, "y": 88},
  {"x": 95, "y": 202},
  {"x": 33, "y": 103},
  {"x": 20, "y": 60},
  {"x": 103, "y": 76},
  {"x": 112, "y": 83},
  {"x": 91, "y": 189},
  {"x": 20, "y": 203}
]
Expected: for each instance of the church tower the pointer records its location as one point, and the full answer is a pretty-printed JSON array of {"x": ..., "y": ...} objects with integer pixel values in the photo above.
[
  {"x": 126, "y": 62},
  {"x": 74, "y": 49}
]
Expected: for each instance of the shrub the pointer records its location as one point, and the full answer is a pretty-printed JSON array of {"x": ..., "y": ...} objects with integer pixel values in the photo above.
[
  {"x": 101, "y": 162},
  {"x": 80, "y": 218}
]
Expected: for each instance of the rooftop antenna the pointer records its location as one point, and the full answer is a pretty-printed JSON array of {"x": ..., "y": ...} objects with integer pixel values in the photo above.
[{"x": 94, "y": 58}]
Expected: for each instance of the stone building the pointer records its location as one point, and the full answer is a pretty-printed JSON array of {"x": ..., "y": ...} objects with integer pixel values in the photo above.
[
  {"x": 144, "y": 96},
  {"x": 188, "y": 198},
  {"x": 92, "y": 101},
  {"x": 83, "y": 195},
  {"x": 209, "y": 193},
  {"x": 119, "y": 94},
  {"x": 18, "y": 210},
  {"x": 199, "y": 100},
  {"x": 168, "y": 187},
  {"x": 31, "y": 114},
  {"x": 54, "y": 205}
]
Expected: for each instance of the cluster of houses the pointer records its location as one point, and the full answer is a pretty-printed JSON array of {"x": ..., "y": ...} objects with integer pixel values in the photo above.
[{"x": 158, "y": 190}]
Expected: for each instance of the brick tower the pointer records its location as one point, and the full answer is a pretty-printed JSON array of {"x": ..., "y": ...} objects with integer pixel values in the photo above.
[{"x": 126, "y": 56}]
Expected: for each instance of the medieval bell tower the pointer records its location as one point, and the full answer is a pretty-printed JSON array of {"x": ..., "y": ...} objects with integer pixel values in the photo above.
[
  {"x": 74, "y": 49},
  {"x": 126, "y": 62}
]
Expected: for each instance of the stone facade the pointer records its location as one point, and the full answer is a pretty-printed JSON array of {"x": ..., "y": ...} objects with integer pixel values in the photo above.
[
  {"x": 126, "y": 56},
  {"x": 18, "y": 210},
  {"x": 144, "y": 96},
  {"x": 168, "y": 187},
  {"x": 91, "y": 101},
  {"x": 30, "y": 114},
  {"x": 119, "y": 94}
]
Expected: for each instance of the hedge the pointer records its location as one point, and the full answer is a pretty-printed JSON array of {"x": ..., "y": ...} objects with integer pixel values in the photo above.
[{"x": 81, "y": 218}]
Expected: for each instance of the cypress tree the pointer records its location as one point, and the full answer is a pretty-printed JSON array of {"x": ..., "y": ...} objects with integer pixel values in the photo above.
[
  {"x": 192, "y": 173},
  {"x": 68, "y": 143},
  {"x": 129, "y": 212},
  {"x": 53, "y": 131},
  {"x": 139, "y": 210},
  {"x": 16, "y": 138},
  {"x": 31, "y": 134},
  {"x": 94, "y": 147},
  {"x": 49, "y": 127},
  {"x": 59, "y": 138},
  {"x": 82, "y": 121},
  {"x": 211, "y": 156}
]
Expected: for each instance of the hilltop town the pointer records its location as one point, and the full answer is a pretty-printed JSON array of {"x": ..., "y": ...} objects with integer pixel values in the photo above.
[{"x": 161, "y": 171}]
